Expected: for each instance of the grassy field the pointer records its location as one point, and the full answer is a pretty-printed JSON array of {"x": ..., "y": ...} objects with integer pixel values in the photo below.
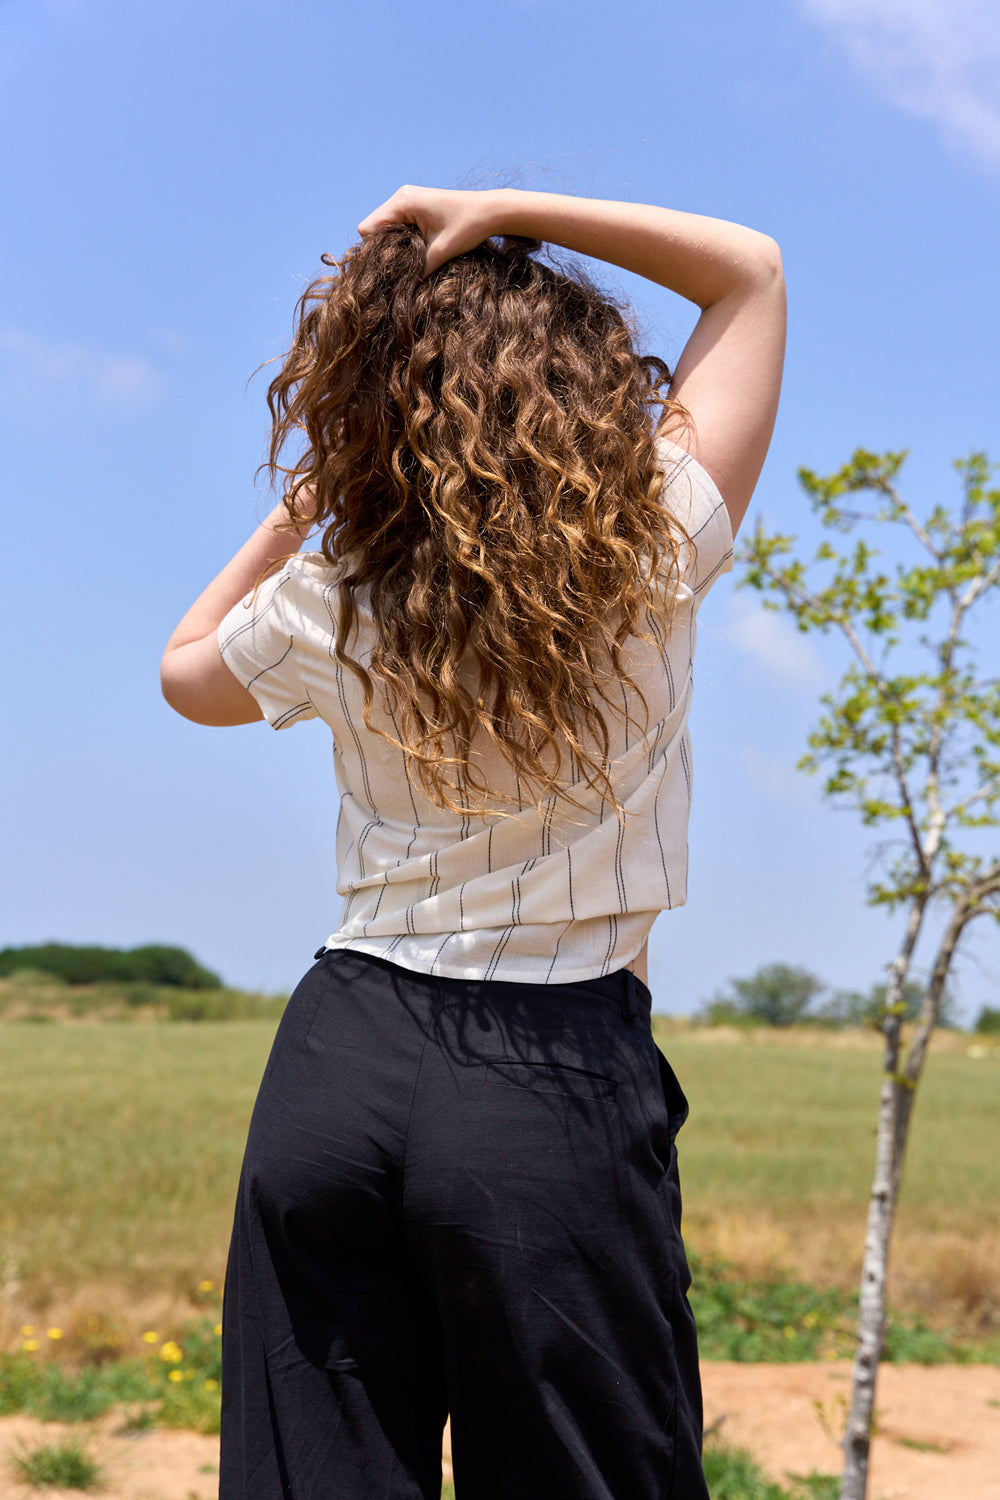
[
  {"x": 777, "y": 1160},
  {"x": 120, "y": 1146}
]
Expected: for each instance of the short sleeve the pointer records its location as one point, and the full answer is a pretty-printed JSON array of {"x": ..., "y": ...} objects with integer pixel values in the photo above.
[
  {"x": 692, "y": 497},
  {"x": 260, "y": 641}
]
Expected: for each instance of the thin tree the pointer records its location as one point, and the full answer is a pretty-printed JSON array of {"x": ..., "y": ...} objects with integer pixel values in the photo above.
[{"x": 911, "y": 739}]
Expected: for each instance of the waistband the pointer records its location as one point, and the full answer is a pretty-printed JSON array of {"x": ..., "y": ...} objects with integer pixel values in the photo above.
[{"x": 622, "y": 987}]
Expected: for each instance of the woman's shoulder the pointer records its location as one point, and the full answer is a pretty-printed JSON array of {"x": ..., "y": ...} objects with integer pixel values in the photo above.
[
  {"x": 308, "y": 575},
  {"x": 687, "y": 487},
  {"x": 314, "y": 568},
  {"x": 693, "y": 499}
]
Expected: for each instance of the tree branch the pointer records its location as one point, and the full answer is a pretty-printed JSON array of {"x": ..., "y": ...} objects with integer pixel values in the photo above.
[
  {"x": 918, "y": 531},
  {"x": 987, "y": 790},
  {"x": 904, "y": 792}
]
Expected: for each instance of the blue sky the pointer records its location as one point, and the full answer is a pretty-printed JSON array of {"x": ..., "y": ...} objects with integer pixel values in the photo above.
[{"x": 177, "y": 171}]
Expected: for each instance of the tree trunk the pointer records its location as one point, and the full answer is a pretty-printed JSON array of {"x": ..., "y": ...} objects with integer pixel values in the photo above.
[
  {"x": 895, "y": 1111},
  {"x": 874, "y": 1269},
  {"x": 878, "y": 1231}
]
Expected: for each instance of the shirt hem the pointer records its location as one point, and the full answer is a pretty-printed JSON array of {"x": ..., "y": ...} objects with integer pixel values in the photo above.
[{"x": 559, "y": 974}]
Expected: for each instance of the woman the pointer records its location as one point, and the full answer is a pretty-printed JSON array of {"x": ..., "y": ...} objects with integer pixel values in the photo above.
[{"x": 460, "y": 1189}]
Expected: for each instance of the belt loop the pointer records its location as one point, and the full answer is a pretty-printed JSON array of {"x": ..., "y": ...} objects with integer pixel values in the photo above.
[{"x": 629, "y": 1004}]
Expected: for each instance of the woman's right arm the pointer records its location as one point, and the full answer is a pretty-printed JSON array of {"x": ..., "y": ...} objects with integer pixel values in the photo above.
[{"x": 729, "y": 375}]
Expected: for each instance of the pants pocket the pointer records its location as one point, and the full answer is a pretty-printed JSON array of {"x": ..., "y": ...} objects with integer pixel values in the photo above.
[
  {"x": 673, "y": 1096},
  {"x": 551, "y": 1078}
]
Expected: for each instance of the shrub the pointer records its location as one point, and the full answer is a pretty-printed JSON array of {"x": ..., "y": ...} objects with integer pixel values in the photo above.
[
  {"x": 776, "y": 995},
  {"x": 64, "y": 1466},
  {"x": 155, "y": 963}
]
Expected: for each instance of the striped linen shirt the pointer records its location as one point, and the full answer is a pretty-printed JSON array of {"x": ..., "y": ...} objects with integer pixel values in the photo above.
[{"x": 555, "y": 894}]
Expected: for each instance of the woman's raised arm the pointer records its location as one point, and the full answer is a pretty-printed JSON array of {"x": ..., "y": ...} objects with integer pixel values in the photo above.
[
  {"x": 193, "y": 676},
  {"x": 729, "y": 375}
]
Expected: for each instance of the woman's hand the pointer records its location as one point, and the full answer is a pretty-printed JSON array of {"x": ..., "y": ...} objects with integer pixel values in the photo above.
[{"x": 450, "y": 221}]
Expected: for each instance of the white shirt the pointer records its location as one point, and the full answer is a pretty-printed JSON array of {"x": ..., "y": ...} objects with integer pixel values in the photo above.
[{"x": 551, "y": 895}]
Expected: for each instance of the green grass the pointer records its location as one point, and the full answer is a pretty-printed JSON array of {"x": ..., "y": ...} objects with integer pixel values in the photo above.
[
  {"x": 120, "y": 1147},
  {"x": 175, "y": 1383},
  {"x": 793, "y": 1127},
  {"x": 733, "y": 1475},
  {"x": 775, "y": 1320},
  {"x": 65, "y": 1466}
]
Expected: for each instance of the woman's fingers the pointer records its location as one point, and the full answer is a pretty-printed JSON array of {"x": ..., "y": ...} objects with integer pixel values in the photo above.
[
  {"x": 450, "y": 222},
  {"x": 399, "y": 209}
]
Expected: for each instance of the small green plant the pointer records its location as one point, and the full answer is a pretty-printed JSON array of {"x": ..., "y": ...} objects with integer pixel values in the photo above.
[
  {"x": 832, "y": 1416},
  {"x": 919, "y": 1446},
  {"x": 65, "y": 1466},
  {"x": 732, "y": 1474},
  {"x": 139, "y": 1419},
  {"x": 815, "y": 1486},
  {"x": 193, "y": 1406}
]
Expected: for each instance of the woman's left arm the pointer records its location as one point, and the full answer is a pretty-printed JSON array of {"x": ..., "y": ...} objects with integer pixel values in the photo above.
[{"x": 194, "y": 678}]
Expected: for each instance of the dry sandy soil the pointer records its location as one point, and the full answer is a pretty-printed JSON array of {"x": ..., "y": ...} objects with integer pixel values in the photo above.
[
  {"x": 938, "y": 1434},
  {"x": 937, "y": 1427}
]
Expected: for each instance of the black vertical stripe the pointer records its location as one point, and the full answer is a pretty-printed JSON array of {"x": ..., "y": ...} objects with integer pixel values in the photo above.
[{"x": 619, "y": 868}]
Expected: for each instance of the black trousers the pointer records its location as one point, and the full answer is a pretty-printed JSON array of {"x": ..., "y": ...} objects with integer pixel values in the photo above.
[{"x": 460, "y": 1197}]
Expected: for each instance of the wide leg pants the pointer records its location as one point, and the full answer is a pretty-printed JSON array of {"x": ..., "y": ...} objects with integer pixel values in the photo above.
[{"x": 460, "y": 1197}]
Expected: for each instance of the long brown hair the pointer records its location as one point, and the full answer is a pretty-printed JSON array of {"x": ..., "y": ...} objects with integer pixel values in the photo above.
[{"x": 479, "y": 453}]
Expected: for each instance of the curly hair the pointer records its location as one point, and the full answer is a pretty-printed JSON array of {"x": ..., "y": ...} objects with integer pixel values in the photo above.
[{"x": 479, "y": 453}]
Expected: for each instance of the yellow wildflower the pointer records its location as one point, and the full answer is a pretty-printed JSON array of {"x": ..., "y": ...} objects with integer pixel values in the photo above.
[
  {"x": 149, "y": 1337},
  {"x": 171, "y": 1352},
  {"x": 54, "y": 1333},
  {"x": 217, "y": 1330},
  {"x": 211, "y": 1385},
  {"x": 206, "y": 1286},
  {"x": 27, "y": 1329},
  {"x": 175, "y": 1375},
  {"x": 30, "y": 1345}
]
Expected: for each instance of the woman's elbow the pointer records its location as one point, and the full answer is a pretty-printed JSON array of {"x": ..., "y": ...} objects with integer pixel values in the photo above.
[
  {"x": 177, "y": 688},
  {"x": 198, "y": 685},
  {"x": 768, "y": 266}
]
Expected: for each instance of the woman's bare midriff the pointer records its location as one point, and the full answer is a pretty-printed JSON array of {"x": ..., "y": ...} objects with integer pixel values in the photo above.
[{"x": 640, "y": 964}]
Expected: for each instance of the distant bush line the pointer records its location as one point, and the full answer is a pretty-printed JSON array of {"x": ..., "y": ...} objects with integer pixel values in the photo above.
[
  {"x": 155, "y": 963},
  {"x": 786, "y": 995}
]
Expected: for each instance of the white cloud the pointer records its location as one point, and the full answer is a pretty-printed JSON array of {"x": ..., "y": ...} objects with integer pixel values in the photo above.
[
  {"x": 939, "y": 59},
  {"x": 110, "y": 379},
  {"x": 772, "y": 642}
]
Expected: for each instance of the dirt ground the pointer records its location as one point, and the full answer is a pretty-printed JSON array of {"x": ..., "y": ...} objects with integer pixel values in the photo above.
[
  {"x": 937, "y": 1427},
  {"x": 938, "y": 1434}
]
